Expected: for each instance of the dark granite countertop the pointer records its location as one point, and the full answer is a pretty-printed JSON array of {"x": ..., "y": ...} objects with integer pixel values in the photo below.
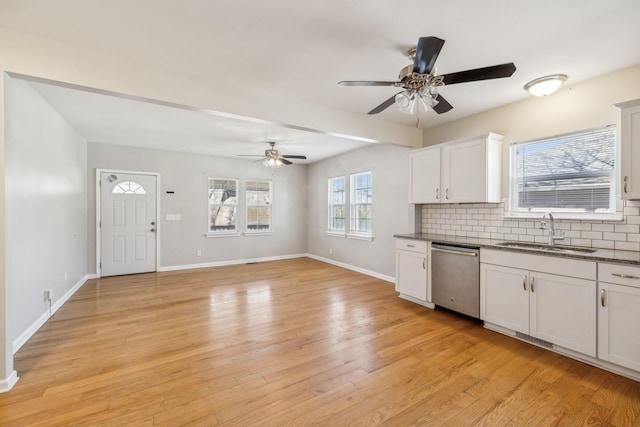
[{"x": 604, "y": 255}]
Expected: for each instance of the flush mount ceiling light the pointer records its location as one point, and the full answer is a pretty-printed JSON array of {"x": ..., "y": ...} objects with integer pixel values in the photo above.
[{"x": 545, "y": 85}]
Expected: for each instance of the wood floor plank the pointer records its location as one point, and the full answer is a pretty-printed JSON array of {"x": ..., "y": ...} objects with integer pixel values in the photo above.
[{"x": 292, "y": 342}]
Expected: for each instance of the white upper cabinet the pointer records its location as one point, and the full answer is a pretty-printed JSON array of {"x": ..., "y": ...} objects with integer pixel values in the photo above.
[
  {"x": 424, "y": 175},
  {"x": 466, "y": 171},
  {"x": 630, "y": 150}
]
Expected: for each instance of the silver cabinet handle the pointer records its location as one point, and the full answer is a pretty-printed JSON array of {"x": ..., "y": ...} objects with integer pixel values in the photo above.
[
  {"x": 437, "y": 194},
  {"x": 424, "y": 264},
  {"x": 603, "y": 293},
  {"x": 625, "y": 276},
  {"x": 624, "y": 185},
  {"x": 533, "y": 283},
  {"x": 524, "y": 283},
  {"x": 411, "y": 246},
  {"x": 446, "y": 194}
]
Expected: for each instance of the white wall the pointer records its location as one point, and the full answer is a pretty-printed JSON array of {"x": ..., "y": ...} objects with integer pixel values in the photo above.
[
  {"x": 392, "y": 213},
  {"x": 574, "y": 107},
  {"x": 45, "y": 209},
  {"x": 187, "y": 175}
]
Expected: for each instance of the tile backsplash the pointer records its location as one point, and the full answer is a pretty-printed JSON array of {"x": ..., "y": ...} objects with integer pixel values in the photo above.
[{"x": 487, "y": 220}]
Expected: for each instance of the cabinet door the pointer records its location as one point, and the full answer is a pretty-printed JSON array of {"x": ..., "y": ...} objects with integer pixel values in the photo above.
[
  {"x": 411, "y": 274},
  {"x": 563, "y": 311},
  {"x": 463, "y": 172},
  {"x": 618, "y": 320},
  {"x": 424, "y": 184},
  {"x": 630, "y": 157},
  {"x": 504, "y": 297}
]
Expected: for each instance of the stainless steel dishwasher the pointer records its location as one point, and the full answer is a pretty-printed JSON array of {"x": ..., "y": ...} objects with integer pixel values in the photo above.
[{"x": 455, "y": 278}]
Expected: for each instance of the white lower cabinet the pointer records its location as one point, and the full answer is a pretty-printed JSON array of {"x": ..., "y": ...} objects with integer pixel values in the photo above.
[
  {"x": 535, "y": 295},
  {"x": 619, "y": 315},
  {"x": 411, "y": 269}
]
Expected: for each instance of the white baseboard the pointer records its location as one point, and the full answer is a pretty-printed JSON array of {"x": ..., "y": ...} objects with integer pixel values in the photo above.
[
  {"x": 354, "y": 268},
  {"x": 24, "y": 337},
  {"x": 232, "y": 262},
  {"x": 7, "y": 384}
]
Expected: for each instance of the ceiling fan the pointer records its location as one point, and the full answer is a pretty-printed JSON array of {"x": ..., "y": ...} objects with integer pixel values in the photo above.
[
  {"x": 421, "y": 81},
  {"x": 272, "y": 157}
]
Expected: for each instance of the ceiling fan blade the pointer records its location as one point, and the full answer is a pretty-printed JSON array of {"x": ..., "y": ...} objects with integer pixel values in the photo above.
[
  {"x": 486, "y": 73},
  {"x": 294, "y": 157},
  {"x": 427, "y": 52},
  {"x": 386, "y": 104},
  {"x": 249, "y": 155},
  {"x": 367, "y": 83},
  {"x": 261, "y": 159},
  {"x": 285, "y": 161},
  {"x": 442, "y": 106}
]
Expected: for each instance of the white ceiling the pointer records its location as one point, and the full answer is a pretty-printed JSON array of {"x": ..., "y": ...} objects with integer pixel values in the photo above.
[{"x": 303, "y": 49}]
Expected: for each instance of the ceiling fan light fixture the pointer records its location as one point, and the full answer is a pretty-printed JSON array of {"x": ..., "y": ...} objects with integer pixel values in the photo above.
[
  {"x": 406, "y": 101},
  {"x": 428, "y": 97},
  {"x": 272, "y": 163},
  {"x": 546, "y": 85}
]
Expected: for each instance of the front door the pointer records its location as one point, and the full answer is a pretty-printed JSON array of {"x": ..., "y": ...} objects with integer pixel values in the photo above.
[{"x": 128, "y": 223}]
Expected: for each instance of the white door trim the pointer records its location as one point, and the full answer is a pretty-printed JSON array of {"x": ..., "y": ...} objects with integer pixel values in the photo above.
[{"x": 98, "y": 206}]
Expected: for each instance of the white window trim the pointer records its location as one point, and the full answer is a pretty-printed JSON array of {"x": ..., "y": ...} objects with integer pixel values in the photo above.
[
  {"x": 230, "y": 233},
  {"x": 360, "y": 235},
  {"x": 567, "y": 214},
  {"x": 336, "y": 231},
  {"x": 270, "y": 230}
]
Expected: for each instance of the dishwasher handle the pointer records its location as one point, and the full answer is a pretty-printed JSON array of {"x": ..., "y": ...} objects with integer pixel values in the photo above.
[{"x": 449, "y": 251}]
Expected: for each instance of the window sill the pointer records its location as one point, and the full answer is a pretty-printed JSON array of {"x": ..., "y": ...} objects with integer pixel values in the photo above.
[
  {"x": 617, "y": 217},
  {"x": 365, "y": 237},
  {"x": 259, "y": 233},
  {"x": 234, "y": 234},
  {"x": 336, "y": 234}
]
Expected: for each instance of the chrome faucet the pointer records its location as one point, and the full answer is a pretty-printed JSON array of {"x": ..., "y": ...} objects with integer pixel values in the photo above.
[{"x": 552, "y": 231}]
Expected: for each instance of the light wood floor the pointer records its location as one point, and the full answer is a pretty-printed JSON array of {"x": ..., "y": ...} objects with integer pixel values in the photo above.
[{"x": 291, "y": 343}]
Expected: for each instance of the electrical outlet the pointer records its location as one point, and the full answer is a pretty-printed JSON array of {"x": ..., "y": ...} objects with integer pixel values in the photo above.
[
  {"x": 48, "y": 294},
  {"x": 330, "y": 251},
  {"x": 198, "y": 252}
]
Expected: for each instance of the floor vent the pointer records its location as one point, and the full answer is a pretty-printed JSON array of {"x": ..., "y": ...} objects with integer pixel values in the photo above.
[{"x": 534, "y": 340}]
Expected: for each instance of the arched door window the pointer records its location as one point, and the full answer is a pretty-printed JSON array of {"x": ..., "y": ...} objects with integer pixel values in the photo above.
[{"x": 128, "y": 187}]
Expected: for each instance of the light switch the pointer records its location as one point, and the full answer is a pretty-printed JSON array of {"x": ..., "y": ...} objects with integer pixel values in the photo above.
[
  {"x": 171, "y": 217},
  {"x": 178, "y": 217}
]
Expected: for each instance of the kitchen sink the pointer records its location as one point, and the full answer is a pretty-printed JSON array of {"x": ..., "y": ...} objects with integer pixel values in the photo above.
[{"x": 543, "y": 247}]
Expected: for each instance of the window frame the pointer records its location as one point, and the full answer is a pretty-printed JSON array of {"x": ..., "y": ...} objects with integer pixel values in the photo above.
[
  {"x": 331, "y": 206},
  {"x": 268, "y": 205},
  {"x": 227, "y": 232},
  {"x": 354, "y": 229},
  {"x": 514, "y": 211}
]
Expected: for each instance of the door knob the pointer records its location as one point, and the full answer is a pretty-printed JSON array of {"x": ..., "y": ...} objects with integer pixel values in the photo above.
[
  {"x": 153, "y": 223},
  {"x": 153, "y": 229}
]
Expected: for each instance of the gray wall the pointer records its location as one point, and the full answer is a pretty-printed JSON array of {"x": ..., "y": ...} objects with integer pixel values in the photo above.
[
  {"x": 46, "y": 205},
  {"x": 187, "y": 175},
  {"x": 392, "y": 214}
]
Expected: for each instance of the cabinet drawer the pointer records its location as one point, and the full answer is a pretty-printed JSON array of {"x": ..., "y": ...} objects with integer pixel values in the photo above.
[
  {"x": 412, "y": 245},
  {"x": 620, "y": 274}
]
